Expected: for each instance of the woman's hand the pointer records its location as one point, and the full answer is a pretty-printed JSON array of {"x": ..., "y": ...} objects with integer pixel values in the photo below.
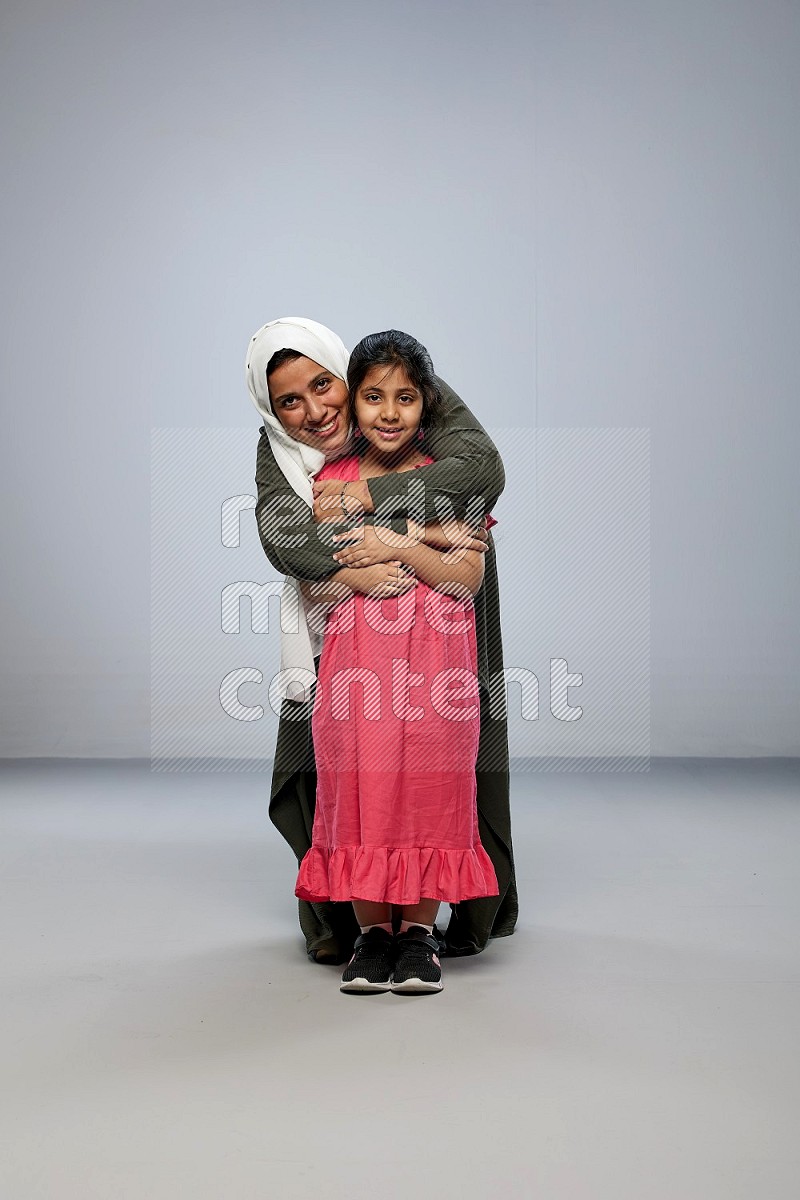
[
  {"x": 371, "y": 544},
  {"x": 456, "y": 536},
  {"x": 331, "y": 505}
]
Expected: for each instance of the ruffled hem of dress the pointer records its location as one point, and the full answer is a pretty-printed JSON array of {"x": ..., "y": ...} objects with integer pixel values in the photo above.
[{"x": 395, "y": 876}]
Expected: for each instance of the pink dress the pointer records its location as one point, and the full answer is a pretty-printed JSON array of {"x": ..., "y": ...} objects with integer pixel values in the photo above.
[{"x": 396, "y": 724}]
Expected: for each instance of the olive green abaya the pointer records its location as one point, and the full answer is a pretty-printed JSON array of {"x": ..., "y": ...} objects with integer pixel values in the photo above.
[{"x": 467, "y": 465}]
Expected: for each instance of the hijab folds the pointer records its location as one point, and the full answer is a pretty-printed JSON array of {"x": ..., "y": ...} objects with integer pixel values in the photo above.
[{"x": 299, "y": 463}]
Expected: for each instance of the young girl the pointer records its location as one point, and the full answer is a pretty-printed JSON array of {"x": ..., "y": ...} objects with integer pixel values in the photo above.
[{"x": 396, "y": 712}]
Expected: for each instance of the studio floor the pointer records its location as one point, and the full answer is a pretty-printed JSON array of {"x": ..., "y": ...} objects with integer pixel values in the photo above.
[{"x": 166, "y": 1037}]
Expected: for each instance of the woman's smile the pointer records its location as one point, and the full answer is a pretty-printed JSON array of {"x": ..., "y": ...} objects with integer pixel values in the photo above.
[
  {"x": 310, "y": 402},
  {"x": 326, "y": 430}
]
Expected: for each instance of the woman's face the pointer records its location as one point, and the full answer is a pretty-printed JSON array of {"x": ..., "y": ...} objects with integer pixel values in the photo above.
[
  {"x": 388, "y": 409},
  {"x": 311, "y": 404}
]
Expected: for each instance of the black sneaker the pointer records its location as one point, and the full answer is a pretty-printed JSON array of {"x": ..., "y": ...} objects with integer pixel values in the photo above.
[
  {"x": 437, "y": 933},
  {"x": 417, "y": 967},
  {"x": 370, "y": 968}
]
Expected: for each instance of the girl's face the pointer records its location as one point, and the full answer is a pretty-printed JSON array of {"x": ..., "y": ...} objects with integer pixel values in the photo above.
[
  {"x": 311, "y": 403},
  {"x": 388, "y": 409}
]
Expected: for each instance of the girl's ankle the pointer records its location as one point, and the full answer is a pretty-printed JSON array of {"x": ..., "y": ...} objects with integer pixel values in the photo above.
[{"x": 404, "y": 925}]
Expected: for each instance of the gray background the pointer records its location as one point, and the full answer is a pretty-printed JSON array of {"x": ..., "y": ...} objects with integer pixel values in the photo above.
[
  {"x": 586, "y": 211},
  {"x": 573, "y": 544}
]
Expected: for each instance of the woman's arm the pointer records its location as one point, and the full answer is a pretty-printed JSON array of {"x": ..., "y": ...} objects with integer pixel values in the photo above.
[
  {"x": 468, "y": 464},
  {"x": 288, "y": 534},
  {"x": 291, "y": 539},
  {"x": 468, "y": 468}
]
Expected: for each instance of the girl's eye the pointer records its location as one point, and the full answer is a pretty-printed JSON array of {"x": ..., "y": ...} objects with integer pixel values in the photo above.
[
  {"x": 408, "y": 399},
  {"x": 371, "y": 398}
]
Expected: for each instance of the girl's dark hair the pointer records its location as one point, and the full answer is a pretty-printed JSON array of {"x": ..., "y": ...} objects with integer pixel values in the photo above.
[
  {"x": 279, "y": 358},
  {"x": 395, "y": 349}
]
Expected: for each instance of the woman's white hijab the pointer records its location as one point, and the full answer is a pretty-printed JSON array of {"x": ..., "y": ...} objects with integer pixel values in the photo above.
[{"x": 299, "y": 463}]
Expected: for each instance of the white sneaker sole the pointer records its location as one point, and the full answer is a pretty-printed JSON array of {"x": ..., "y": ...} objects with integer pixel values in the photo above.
[
  {"x": 417, "y": 985},
  {"x": 363, "y": 985}
]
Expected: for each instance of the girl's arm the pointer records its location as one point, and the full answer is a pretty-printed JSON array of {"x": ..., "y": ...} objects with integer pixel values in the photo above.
[
  {"x": 440, "y": 572},
  {"x": 366, "y": 545},
  {"x": 382, "y": 579}
]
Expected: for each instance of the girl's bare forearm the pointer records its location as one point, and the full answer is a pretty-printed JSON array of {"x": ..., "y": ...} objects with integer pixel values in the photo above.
[
  {"x": 336, "y": 587},
  {"x": 432, "y": 567}
]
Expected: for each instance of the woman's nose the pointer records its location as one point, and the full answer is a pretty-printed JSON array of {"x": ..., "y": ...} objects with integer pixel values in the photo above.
[{"x": 315, "y": 409}]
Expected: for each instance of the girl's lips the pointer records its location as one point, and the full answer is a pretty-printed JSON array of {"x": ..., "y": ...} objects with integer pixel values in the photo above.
[{"x": 388, "y": 433}]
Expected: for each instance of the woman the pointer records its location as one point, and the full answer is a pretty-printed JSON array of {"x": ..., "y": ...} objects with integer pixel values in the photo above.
[{"x": 303, "y": 405}]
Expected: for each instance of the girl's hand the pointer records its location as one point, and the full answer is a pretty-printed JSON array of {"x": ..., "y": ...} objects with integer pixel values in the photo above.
[
  {"x": 331, "y": 505},
  {"x": 384, "y": 579},
  {"x": 368, "y": 545}
]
